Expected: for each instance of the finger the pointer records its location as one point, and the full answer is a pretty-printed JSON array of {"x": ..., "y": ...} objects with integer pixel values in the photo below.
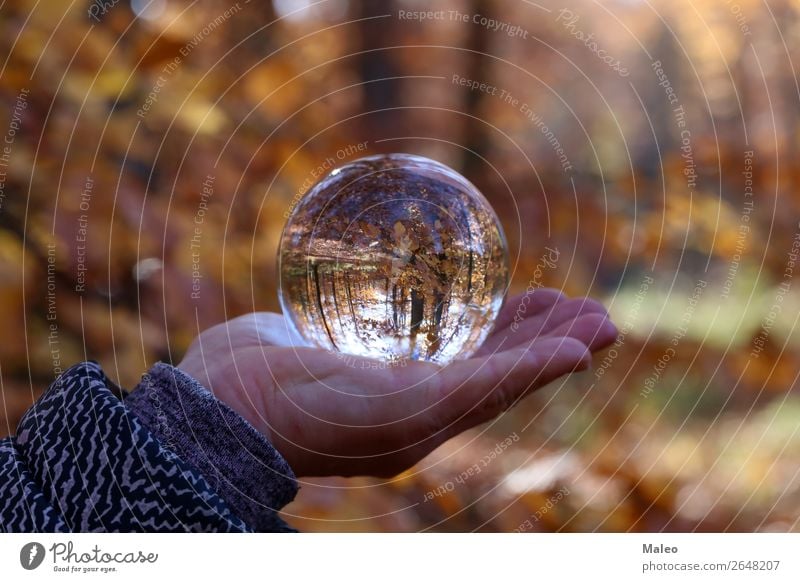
[
  {"x": 595, "y": 330},
  {"x": 527, "y": 329},
  {"x": 527, "y": 305},
  {"x": 480, "y": 388}
]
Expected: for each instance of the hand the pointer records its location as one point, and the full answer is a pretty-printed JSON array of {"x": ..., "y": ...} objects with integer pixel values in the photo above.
[{"x": 330, "y": 414}]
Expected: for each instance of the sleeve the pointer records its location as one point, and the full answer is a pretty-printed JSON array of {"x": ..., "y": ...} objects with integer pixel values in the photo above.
[
  {"x": 237, "y": 460},
  {"x": 83, "y": 460}
]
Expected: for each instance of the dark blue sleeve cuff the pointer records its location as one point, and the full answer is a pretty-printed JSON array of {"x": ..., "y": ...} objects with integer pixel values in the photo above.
[{"x": 239, "y": 462}]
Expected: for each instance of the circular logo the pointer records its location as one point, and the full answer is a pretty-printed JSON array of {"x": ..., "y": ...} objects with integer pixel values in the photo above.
[{"x": 31, "y": 555}]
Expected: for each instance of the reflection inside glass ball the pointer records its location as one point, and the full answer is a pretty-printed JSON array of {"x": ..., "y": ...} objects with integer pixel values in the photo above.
[{"x": 393, "y": 257}]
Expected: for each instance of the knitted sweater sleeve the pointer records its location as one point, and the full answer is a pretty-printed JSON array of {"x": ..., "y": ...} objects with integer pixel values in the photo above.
[{"x": 88, "y": 456}]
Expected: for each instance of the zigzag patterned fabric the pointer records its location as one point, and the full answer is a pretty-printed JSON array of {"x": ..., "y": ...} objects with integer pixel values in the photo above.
[{"x": 82, "y": 460}]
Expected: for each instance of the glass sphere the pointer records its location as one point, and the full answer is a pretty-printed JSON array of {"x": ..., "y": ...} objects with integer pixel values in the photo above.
[{"x": 393, "y": 257}]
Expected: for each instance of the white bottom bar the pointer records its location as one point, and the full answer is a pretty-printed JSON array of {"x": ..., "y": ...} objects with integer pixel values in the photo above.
[{"x": 415, "y": 557}]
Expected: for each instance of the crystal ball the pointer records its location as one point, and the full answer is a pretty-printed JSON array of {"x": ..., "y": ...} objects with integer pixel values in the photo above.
[{"x": 395, "y": 257}]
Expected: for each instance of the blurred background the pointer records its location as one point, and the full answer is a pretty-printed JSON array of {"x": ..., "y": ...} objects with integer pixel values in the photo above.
[{"x": 643, "y": 153}]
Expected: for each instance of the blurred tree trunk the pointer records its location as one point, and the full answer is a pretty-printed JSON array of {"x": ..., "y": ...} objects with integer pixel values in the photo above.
[
  {"x": 377, "y": 62},
  {"x": 255, "y": 46},
  {"x": 479, "y": 68},
  {"x": 661, "y": 112}
]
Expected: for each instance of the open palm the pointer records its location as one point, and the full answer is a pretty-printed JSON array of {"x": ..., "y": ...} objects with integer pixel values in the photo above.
[{"x": 331, "y": 414}]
